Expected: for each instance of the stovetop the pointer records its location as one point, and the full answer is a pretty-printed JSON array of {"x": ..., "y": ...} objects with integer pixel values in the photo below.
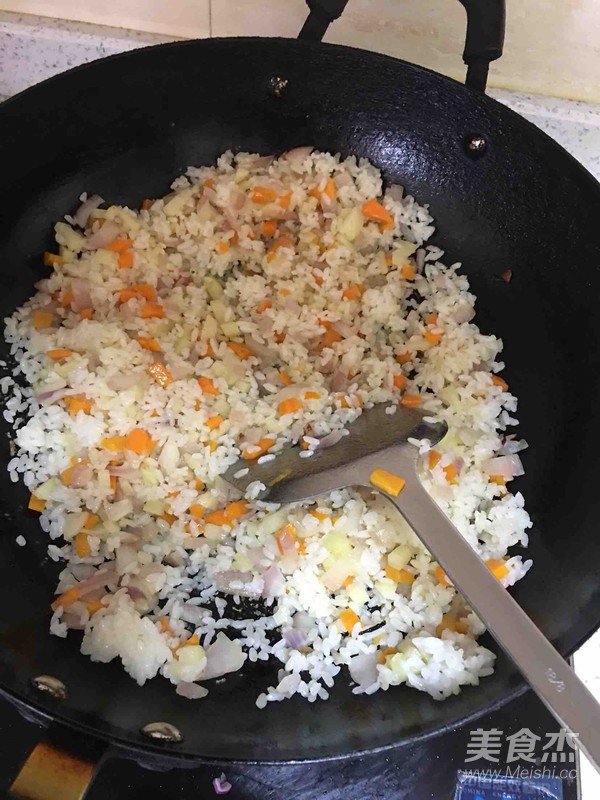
[{"x": 425, "y": 771}]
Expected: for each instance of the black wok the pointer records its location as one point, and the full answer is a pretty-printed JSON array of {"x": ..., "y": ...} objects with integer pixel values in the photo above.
[{"x": 504, "y": 196}]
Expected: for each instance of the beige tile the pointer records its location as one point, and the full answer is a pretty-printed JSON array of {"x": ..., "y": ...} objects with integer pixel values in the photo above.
[
  {"x": 551, "y": 48},
  {"x": 182, "y": 18}
]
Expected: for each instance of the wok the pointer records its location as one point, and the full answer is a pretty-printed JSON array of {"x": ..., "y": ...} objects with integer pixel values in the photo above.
[{"x": 504, "y": 196}]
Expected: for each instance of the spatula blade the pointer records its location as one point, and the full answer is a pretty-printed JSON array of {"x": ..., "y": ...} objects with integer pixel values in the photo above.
[{"x": 291, "y": 476}]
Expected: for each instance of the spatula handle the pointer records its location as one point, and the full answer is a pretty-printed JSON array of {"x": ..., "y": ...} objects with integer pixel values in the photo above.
[{"x": 546, "y": 671}]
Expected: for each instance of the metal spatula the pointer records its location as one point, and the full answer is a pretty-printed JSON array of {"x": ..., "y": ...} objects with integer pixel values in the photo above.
[{"x": 378, "y": 440}]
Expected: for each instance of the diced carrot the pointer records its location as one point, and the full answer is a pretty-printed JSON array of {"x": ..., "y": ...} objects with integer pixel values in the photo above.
[
  {"x": 52, "y": 259},
  {"x": 498, "y": 479},
  {"x": 400, "y": 382},
  {"x": 236, "y": 510},
  {"x": 66, "y": 298},
  {"x": 168, "y": 518},
  {"x": 261, "y": 195},
  {"x": 289, "y": 406},
  {"x": 497, "y": 567},
  {"x": 283, "y": 241},
  {"x": 498, "y": 381},
  {"x": 387, "y": 482},
  {"x": 433, "y": 458},
  {"x": 383, "y": 655},
  {"x": 451, "y": 623},
  {"x": 125, "y": 295},
  {"x": 284, "y": 292},
  {"x": 207, "y": 385},
  {"x": 263, "y": 445},
  {"x": 160, "y": 374},
  {"x": 318, "y": 278},
  {"x": 288, "y": 531},
  {"x": 222, "y": 247},
  {"x": 59, "y": 354},
  {"x": 331, "y": 337},
  {"x": 150, "y": 310},
  {"x": 408, "y": 272},
  {"x": 164, "y": 624},
  {"x": 301, "y": 547},
  {"x": 93, "y": 606},
  {"x": 411, "y": 400},
  {"x": 41, "y": 320},
  {"x": 347, "y": 581},
  {"x": 441, "y": 576},
  {"x": 319, "y": 515},
  {"x": 126, "y": 260},
  {"x": 451, "y": 473},
  {"x": 36, "y": 504},
  {"x": 354, "y": 292},
  {"x": 91, "y": 521},
  {"x": 285, "y": 377},
  {"x": 147, "y": 203},
  {"x": 197, "y": 511},
  {"x": 403, "y": 358},
  {"x": 330, "y": 189},
  {"x": 218, "y": 517},
  {"x": 199, "y": 485},
  {"x": 115, "y": 443},
  {"x": 284, "y": 200},
  {"x": 349, "y": 618},
  {"x": 431, "y": 319},
  {"x": 280, "y": 337},
  {"x": 241, "y": 350},
  {"x": 149, "y": 344},
  {"x": 145, "y": 290},
  {"x": 119, "y": 245},
  {"x": 113, "y": 483},
  {"x": 269, "y": 228},
  {"x": 207, "y": 351},
  {"x": 82, "y": 545},
  {"x": 140, "y": 442},
  {"x": 209, "y": 183},
  {"x": 373, "y": 210},
  {"x": 77, "y": 403},
  {"x": 86, "y": 313},
  {"x": 399, "y": 575},
  {"x": 193, "y": 641},
  {"x": 263, "y": 305},
  {"x": 433, "y": 338},
  {"x": 67, "y": 598},
  {"x": 404, "y": 576},
  {"x": 311, "y": 395},
  {"x": 314, "y": 192},
  {"x": 212, "y": 423}
]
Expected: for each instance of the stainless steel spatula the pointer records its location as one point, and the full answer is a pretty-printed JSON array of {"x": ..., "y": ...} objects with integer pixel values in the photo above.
[{"x": 378, "y": 440}]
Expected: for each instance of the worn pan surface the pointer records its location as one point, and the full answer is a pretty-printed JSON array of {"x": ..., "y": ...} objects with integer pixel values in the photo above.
[{"x": 124, "y": 127}]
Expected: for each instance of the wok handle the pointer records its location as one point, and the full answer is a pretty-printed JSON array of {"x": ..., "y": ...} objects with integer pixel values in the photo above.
[
  {"x": 486, "y": 22},
  {"x": 322, "y": 14},
  {"x": 61, "y": 766},
  {"x": 546, "y": 671}
]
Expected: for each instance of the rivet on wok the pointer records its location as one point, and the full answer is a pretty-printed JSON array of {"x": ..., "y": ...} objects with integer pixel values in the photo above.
[
  {"x": 475, "y": 146},
  {"x": 162, "y": 731},
  {"x": 46, "y": 684},
  {"x": 278, "y": 85}
]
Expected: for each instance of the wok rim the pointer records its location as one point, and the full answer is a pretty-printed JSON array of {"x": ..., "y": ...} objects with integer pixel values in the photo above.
[{"x": 147, "y": 747}]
